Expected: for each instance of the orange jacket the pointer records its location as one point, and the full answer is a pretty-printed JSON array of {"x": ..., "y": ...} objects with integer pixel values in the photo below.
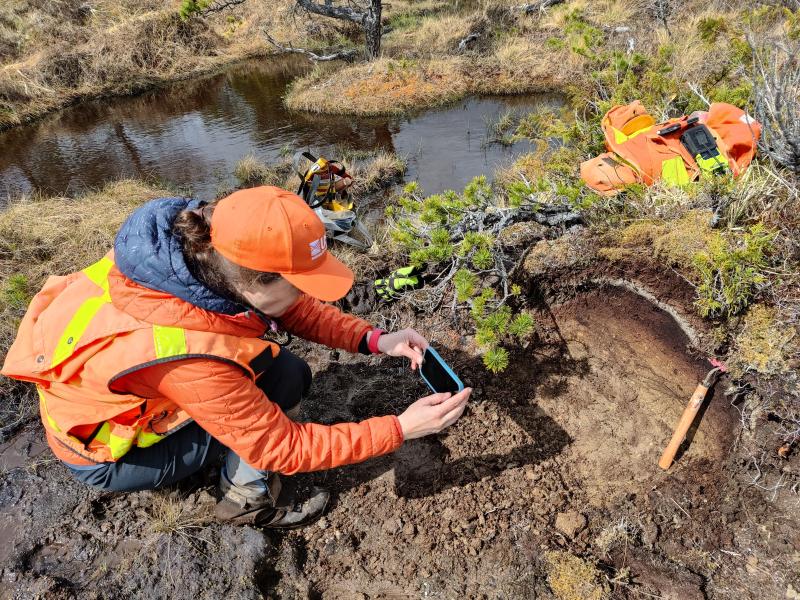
[
  {"x": 118, "y": 365},
  {"x": 638, "y": 154}
]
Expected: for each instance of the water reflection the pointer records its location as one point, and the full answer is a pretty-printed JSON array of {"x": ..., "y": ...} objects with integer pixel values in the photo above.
[{"x": 193, "y": 134}]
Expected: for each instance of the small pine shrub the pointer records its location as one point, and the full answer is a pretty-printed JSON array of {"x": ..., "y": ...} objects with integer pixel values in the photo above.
[
  {"x": 710, "y": 28},
  {"x": 446, "y": 233},
  {"x": 192, "y": 7},
  {"x": 496, "y": 360}
]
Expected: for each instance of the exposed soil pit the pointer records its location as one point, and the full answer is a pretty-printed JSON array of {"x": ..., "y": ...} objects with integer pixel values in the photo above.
[
  {"x": 572, "y": 430},
  {"x": 631, "y": 379}
]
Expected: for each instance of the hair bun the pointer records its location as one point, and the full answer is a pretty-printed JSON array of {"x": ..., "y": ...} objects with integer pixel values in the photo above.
[{"x": 193, "y": 230}]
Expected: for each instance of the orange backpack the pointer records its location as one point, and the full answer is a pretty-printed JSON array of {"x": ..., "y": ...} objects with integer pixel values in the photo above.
[{"x": 677, "y": 151}]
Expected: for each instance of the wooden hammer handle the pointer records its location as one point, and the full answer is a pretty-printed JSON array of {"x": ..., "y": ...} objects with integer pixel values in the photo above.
[{"x": 689, "y": 413}]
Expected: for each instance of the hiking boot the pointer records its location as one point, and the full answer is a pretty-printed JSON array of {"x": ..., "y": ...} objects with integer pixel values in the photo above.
[{"x": 282, "y": 512}]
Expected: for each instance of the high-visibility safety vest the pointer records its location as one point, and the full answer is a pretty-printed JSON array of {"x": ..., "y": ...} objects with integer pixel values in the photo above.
[
  {"x": 643, "y": 151},
  {"x": 77, "y": 347}
]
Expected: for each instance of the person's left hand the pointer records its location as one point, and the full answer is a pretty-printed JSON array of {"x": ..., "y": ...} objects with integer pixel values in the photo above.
[{"x": 406, "y": 342}]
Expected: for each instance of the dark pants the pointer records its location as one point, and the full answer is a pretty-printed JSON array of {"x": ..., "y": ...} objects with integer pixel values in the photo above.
[{"x": 285, "y": 380}]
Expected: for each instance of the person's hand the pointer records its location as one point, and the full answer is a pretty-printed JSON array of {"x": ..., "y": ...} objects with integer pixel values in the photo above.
[
  {"x": 433, "y": 413},
  {"x": 406, "y": 342}
]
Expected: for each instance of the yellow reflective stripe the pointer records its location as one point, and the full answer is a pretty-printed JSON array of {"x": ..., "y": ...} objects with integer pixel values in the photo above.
[
  {"x": 145, "y": 439},
  {"x": 169, "y": 341},
  {"x": 43, "y": 405},
  {"x": 77, "y": 326},
  {"x": 673, "y": 171},
  {"x": 116, "y": 444},
  {"x": 98, "y": 274},
  {"x": 620, "y": 137}
]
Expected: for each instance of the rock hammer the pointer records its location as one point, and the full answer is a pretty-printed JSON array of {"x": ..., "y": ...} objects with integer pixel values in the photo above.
[{"x": 690, "y": 412}]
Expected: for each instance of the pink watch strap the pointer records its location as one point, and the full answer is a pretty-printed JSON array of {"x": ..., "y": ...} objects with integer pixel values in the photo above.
[{"x": 373, "y": 340}]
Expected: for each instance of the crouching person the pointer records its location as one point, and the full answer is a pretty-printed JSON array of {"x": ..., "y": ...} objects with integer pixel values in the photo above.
[{"x": 151, "y": 363}]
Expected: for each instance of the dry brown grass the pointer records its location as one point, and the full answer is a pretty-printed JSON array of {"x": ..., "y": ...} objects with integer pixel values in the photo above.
[
  {"x": 53, "y": 53},
  {"x": 173, "y": 516},
  {"x": 435, "y": 35}
]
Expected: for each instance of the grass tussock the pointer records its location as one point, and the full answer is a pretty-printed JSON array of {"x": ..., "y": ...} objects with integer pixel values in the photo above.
[
  {"x": 371, "y": 170},
  {"x": 40, "y": 237},
  {"x": 174, "y": 516},
  {"x": 394, "y": 86},
  {"x": 573, "y": 578},
  {"x": 382, "y": 87},
  {"x": 251, "y": 171}
]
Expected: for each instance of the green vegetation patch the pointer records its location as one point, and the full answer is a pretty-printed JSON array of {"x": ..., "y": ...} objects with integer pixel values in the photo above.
[
  {"x": 447, "y": 234},
  {"x": 764, "y": 343}
]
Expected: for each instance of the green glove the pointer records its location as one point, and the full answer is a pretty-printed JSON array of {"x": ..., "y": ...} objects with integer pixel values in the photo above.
[{"x": 398, "y": 281}]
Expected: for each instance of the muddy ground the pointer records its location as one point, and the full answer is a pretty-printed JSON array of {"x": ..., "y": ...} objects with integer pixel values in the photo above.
[{"x": 548, "y": 487}]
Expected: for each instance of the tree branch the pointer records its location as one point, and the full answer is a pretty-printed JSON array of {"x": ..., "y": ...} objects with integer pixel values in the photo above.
[
  {"x": 347, "y": 55},
  {"x": 220, "y": 5},
  {"x": 462, "y": 45},
  {"x": 539, "y": 6}
]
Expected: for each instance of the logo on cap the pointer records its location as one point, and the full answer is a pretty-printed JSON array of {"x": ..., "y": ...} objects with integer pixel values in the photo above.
[{"x": 318, "y": 247}]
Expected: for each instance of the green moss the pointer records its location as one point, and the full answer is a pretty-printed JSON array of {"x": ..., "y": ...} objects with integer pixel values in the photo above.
[
  {"x": 677, "y": 243},
  {"x": 763, "y": 344}
]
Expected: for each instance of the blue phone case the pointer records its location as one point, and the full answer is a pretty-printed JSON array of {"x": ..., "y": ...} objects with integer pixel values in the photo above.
[{"x": 447, "y": 368}]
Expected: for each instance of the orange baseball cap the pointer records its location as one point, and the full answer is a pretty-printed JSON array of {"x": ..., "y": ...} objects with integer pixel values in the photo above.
[{"x": 269, "y": 229}]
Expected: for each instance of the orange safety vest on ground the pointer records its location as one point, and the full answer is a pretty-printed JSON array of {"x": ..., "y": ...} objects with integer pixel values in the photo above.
[
  {"x": 75, "y": 344},
  {"x": 638, "y": 154}
]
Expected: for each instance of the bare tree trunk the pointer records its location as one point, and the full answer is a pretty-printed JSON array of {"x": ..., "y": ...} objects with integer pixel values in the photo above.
[
  {"x": 372, "y": 30},
  {"x": 369, "y": 19}
]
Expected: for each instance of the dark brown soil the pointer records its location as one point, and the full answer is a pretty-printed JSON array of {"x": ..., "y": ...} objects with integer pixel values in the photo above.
[{"x": 555, "y": 459}]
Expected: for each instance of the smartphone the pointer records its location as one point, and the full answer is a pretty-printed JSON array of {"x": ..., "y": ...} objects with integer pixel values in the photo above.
[{"x": 437, "y": 374}]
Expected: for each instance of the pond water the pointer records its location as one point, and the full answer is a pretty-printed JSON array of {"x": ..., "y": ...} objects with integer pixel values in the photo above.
[{"x": 192, "y": 134}]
